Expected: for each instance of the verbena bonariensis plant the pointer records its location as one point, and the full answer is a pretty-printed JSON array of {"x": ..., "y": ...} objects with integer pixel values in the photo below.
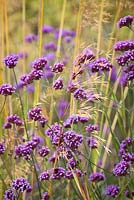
[{"x": 59, "y": 145}]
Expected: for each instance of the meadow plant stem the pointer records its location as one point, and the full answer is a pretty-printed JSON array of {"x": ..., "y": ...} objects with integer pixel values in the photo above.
[{"x": 26, "y": 130}]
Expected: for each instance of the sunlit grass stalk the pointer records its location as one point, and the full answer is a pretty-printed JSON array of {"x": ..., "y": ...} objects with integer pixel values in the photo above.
[{"x": 41, "y": 17}]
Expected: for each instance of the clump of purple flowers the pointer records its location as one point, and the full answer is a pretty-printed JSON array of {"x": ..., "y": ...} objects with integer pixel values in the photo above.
[
  {"x": 121, "y": 168},
  {"x": 30, "y": 38},
  {"x": 47, "y": 29},
  {"x": 72, "y": 139},
  {"x": 124, "y": 45},
  {"x": 36, "y": 115},
  {"x": 125, "y": 21},
  {"x": 100, "y": 64},
  {"x": 13, "y": 119},
  {"x": 45, "y": 196},
  {"x": 21, "y": 185},
  {"x": 11, "y": 60},
  {"x": 92, "y": 127},
  {"x": 39, "y": 63},
  {"x": 80, "y": 94},
  {"x": 96, "y": 177},
  {"x": 74, "y": 119},
  {"x": 58, "y": 67},
  {"x": 44, "y": 151},
  {"x": 2, "y": 148},
  {"x": 112, "y": 190},
  {"x": 7, "y": 89},
  {"x": 92, "y": 142},
  {"x": 58, "y": 84},
  {"x": 9, "y": 195},
  {"x": 58, "y": 173},
  {"x": 44, "y": 176},
  {"x": 25, "y": 150}
]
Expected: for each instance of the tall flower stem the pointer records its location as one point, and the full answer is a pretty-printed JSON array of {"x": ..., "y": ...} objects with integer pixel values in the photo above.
[{"x": 26, "y": 130}]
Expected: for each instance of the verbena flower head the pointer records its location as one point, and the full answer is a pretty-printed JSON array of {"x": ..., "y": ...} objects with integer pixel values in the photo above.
[
  {"x": 64, "y": 33},
  {"x": 124, "y": 45},
  {"x": 96, "y": 177},
  {"x": 21, "y": 185},
  {"x": 14, "y": 119},
  {"x": 55, "y": 133},
  {"x": 36, "y": 74},
  {"x": 45, "y": 196},
  {"x": 27, "y": 79},
  {"x": 35, "y": 113},
  {"x": 72, "y": 139},
  {"x": 92, "y": 142},
  {"x": 58, "y": 67},
  {"x": 129, "y": 194},
  {"x": 74, "y": 119},
  {"x": 121, "y": 168},
  {"x": 100, "y": 64},
  {"x": 125, "y": 21},
  {"x": 80, "y": 94},
  {"x": 30, "y": 38},
  {"x": 7, "y": 125},
  {"x": 129, "y": 72},
  {"x": 50, "y": 46},
  {"x": 11, "y": 60},
  {"x": 125, "y": 58},
  {"x": 58, "y": 84},
  {"x": 39, "y": 63},
  {"x": 112, "y": 190},
  {"x": 44, "y": 151},
  {"x": 58, "y": 173},
  {"x": 2, "y": 148},
  {"x": 44, "y": 176},
  {"x": 9, "y": 195},
  {"x": 92, "y": 127},
  {"x": 47, "y": 29},
  {"x": 72, "y": 163},
  {"x": 7, "y": 89}
]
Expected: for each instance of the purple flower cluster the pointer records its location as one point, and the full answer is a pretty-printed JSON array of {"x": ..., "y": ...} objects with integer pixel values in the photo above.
[
  {"x": 11, "y": 60},
  {"x": 72, "y": 163},
  {"x": 125, "y": 58},
  {"x": 74, "y": 119},
  {"x": 39, "y": 63},
  {"x": 44, "y": 176},
  {"x": 112, "y": 190},
  {"x": 21, "y": 185},
  {"x": 9, "y": 195},
  {"x": 124, "y": 45},
  {"x": 55, "y": 133},
  {"x": 124, "y": 151},
  {"x": 45, "y": 196},
  {"x": 12, "y": 119},
  {"x": 100, "y": 64},
  {"x": 36, "y": 115},
  {"x": 58, "y": 67},
  {"x": 25, "y": 150},
  {"x": 92, "y": 127},
  {"x": 86, "y": 55},
  {"x": 129, "y": 72},
  {"x": 80, "y": 94},
  {"x": 2, "y": 148},
  {"x": 7, "y": 89},
  {"x": 30, "y": 38},
  {"x": 125, "y": 21},
  {"x": 58, "y": 84},
  {"x": 50, "y": 46},
  {"x": 58, "y": 173},
  {"x": 72, "y": 139},
  {"x": 96, "y": 177},
  {"x": 92, "y": 142},
  {"x": 121, "y": 168},
  {"x": 64, "y": 33},
  {"x": 129, "y": 193},
  {"x": 47, "y": 29},
  {"x": 44, "y": 151}
]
